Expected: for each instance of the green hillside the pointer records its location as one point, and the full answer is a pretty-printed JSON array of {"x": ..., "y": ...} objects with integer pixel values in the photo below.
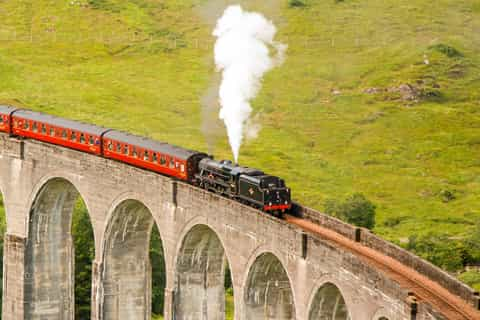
[{"x": 376, "y": 97}]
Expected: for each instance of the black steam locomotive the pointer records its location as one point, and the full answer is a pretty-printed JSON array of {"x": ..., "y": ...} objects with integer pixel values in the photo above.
[{"x": 250, "y": 186}]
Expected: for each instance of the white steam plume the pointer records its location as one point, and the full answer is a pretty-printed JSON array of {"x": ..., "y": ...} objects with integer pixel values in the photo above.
[{"x": 242, "y": 53}]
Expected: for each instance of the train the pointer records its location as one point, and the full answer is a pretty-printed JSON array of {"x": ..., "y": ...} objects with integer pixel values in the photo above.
[{"x": 249, "y": 186}]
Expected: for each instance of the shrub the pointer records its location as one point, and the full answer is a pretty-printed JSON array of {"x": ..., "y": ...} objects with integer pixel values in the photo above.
[
  {"x": 97, "y": 4},
  {"x": 356, "y": 209},
  {"x": 447, "y": 195},
  {"x": 296, "y": 3},
  {"x": 439, "y": 249},
  {"x": 228, "y": 279},
  {"x": 393, "y": 221},
  {"x": 105, "y": 5},
  {"x": 473, "y": 245},
  {"x": 157, "y": 261},
  {"x": 449, "y": 51},
  {"x": 472, "y": 278},
  {"x": 82, "y": 233}
]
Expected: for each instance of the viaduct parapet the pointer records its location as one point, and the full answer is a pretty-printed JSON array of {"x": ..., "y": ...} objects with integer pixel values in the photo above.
[{"x": 280, "y": 270}]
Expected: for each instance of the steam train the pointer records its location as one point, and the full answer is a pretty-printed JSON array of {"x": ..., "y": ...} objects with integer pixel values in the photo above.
[{"x": 249, "y": 186}]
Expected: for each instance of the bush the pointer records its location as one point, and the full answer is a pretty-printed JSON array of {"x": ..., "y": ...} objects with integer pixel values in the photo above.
[
  {"x": 82, "y": 233},
  {"x": 98, "y": 4},
  {"x": 439, "y": 249},
  {"x": 472, "y": 278},
  {"x": 356, "y": 209},
  {"x": 157, "y": 261},
  {"x": 450, "y": 254},
  {"x": 447, "y": 195},
  {"x": 228, "y": 278},
  {"x": 473, "y": 245},
  {"x": 393, "y": 221},
  {"x": 449, "y": 51},
  {"x": 296, "y": 3}
]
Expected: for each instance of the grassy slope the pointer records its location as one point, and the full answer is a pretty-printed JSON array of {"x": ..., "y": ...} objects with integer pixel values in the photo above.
[{"x": 116, "y": 63}]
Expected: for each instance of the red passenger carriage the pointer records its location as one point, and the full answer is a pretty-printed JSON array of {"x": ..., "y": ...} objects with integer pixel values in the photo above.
[
  {"x": 153, "y": 155},
  {"x": 5, "y": 113},
  {"x": 72, "y": 134}
]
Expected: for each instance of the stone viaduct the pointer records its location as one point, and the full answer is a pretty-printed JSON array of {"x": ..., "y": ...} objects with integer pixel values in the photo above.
[{"x": 279, "y": 270}]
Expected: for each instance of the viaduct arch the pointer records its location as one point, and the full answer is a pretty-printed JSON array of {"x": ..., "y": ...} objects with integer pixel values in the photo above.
[
  {"x": 199, "y": 275},
  {"x": 279, "y": 270},
  {"x": 49, "y": 275}
]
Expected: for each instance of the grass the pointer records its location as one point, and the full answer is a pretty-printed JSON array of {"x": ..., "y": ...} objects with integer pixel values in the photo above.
[
  {"x": 143, "y": 67},
  {"x": 472, "y": 278},
  {"x": 229, "y": 306}
]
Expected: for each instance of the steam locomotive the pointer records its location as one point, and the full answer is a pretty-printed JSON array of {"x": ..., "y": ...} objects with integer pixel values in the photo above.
[{"x": 249, "y": 186}]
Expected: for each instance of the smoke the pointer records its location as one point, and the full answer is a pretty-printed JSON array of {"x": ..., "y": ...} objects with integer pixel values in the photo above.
[
  {"x": 211, "y": 125},
  {"x": 242, "y": 54},
  {"x": 252, "y": 127}
]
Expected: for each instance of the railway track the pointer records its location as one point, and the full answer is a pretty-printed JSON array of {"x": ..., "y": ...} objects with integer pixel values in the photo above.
[{"x": 449, "y": 305}]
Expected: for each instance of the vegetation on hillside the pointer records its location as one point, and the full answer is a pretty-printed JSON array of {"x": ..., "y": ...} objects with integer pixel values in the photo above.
[
  {"x": 375, "y": 97},
  {"x": 83, "y": 241},
  {"x": 356, "y": 210},
  {"x": 157, "y": 262}
]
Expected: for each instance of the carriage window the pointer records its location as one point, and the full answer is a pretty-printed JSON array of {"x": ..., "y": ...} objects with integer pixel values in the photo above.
[
  {"x": 35, "y": 127},
  {"x": 1, "y": 119},
  {"x": 119, "y": 147},
  {"x": 134, "y": 152},
  {"x": 82, "y": 138},
  {"x": 182, "y": 167},
  {"x": 172, "y": 163},
  {"x": 25, "y": 125},
  {"x": 52, "y": 131},
  {"x": 90, "y": 140},
  {"x": 163, "y": 161},
  {"x": 145, "y": 156},
  {"x": 110, "y": 145},
  {"x": 125, "y": 149},
  {"x": 44, "y": 128},
  {"x": 64, "y": 134},
  {"x": 154, "y": 157},
  {"x": 73, "y": 137}
]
